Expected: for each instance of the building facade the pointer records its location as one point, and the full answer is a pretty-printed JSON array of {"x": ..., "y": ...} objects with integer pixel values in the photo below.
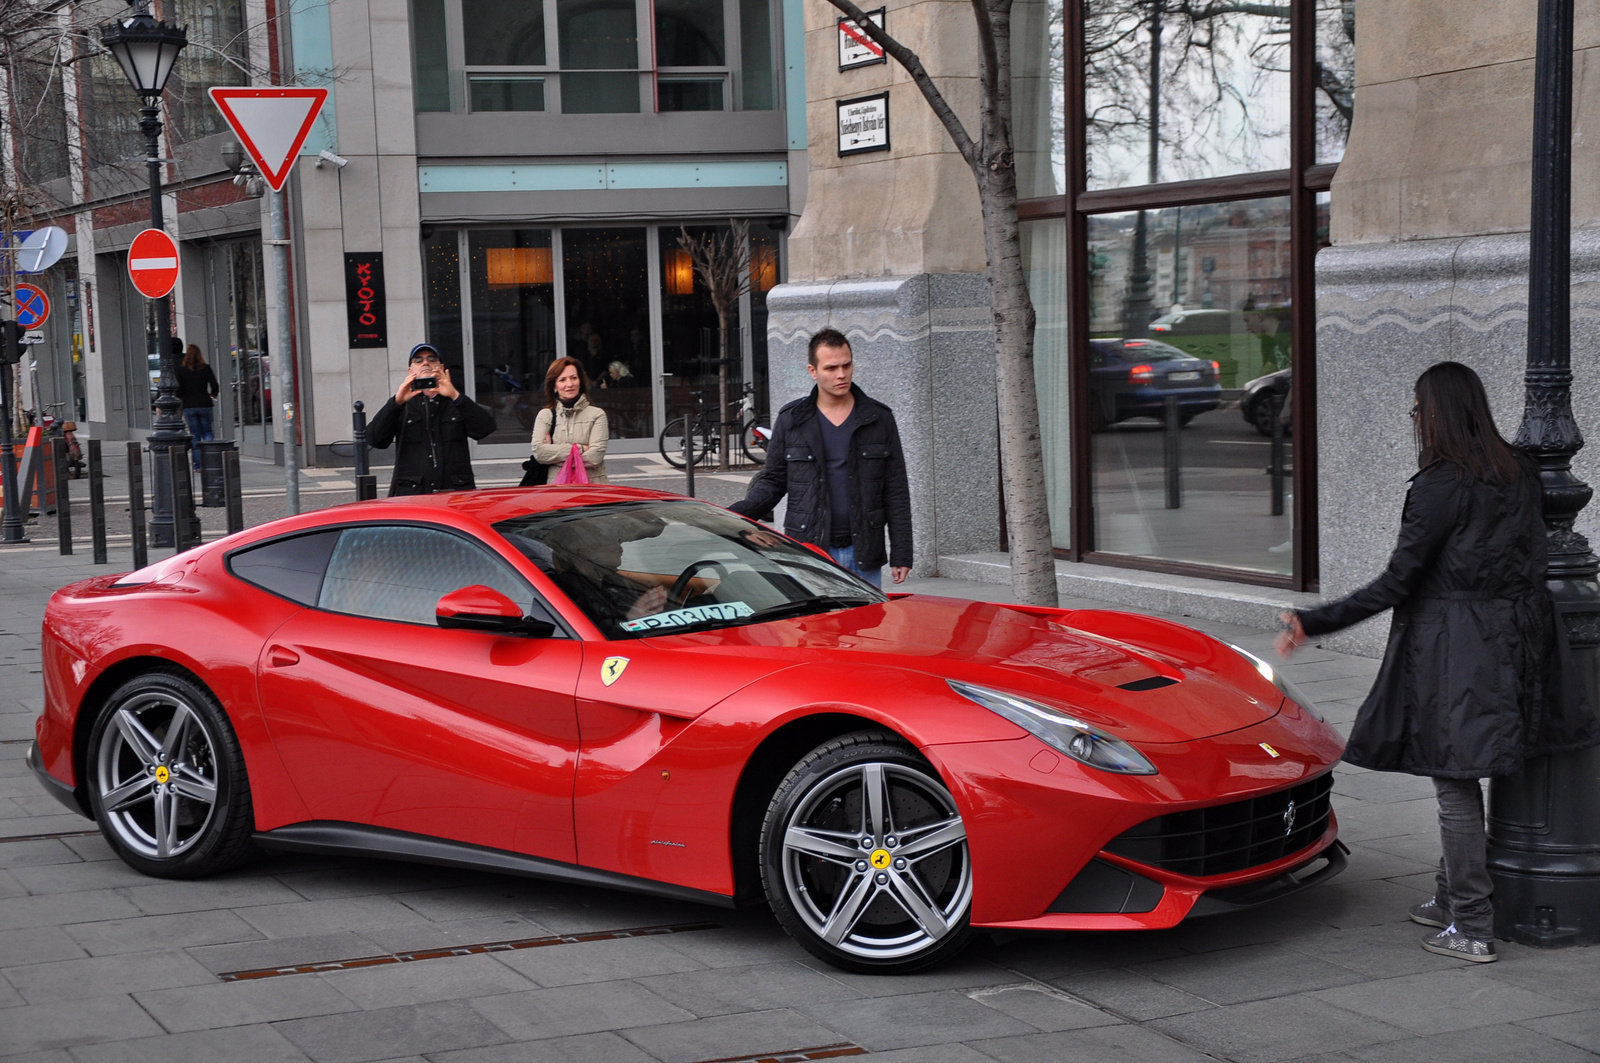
[{"x": 506, "y": 181}]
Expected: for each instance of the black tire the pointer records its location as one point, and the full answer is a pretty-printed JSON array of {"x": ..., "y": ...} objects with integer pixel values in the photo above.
[
  {"x": 1262, "y": 414},
  {"x": 753, "y": 446},
  {"x": 173, "y": 805},
  {"x": 880, "y": 898}
]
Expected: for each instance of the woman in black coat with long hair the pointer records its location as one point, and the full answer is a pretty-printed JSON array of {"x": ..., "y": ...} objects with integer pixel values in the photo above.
[{"x": 1470, "y": 681}]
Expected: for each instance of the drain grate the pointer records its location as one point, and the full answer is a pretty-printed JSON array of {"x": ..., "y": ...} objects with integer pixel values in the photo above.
[
  {"x": 50, "y": 837},
  {"x": 511, "y": 945},
  {"x": 796, "y": 1055}
]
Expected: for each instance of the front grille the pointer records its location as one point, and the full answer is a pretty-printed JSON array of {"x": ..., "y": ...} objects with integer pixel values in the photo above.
[{"x": 1234, "y": 837}]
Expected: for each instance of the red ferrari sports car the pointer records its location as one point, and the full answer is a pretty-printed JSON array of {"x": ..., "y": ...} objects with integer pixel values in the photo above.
[{"x": 636, "y": 690}]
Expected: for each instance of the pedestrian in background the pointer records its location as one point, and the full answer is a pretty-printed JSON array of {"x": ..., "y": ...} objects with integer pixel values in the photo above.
[
  {"x": 836, "y": 454},
  {"x": 197, "y": 390},
  {"x": 568, "y": 419},
  {"x": 432, "y": 421},
  {"x": 1471, "y": 682}
]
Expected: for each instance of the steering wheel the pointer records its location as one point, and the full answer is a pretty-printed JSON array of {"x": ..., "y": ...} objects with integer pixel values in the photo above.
[{"x": 679, "y": 594}]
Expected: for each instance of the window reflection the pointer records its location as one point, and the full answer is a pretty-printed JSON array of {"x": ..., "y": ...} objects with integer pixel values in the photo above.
[
  {"x": 513, "y": 325},
  {"x": 608, "y": 321},
  {"x": 1044, "y": 257},
  {"x": 1189, "y": 362},
  {"x": 1220, "y": 102},
  {"x": 1038, "y": 79},
  {"x": 1336, "y": 76},
  {"x": 502, "y": 32},
  {"x": 598, "y": 35}
]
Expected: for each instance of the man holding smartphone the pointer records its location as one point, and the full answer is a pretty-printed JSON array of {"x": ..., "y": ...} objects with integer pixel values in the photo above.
[{"x": 429, "y": 421}]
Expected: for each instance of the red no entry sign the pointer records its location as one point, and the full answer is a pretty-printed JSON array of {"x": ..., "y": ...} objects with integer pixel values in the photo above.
[{"x": 153, "y": 263}]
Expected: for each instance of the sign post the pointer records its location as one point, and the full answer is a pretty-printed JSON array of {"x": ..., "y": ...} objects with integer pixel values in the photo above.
[{"x": 272, "y": 125}]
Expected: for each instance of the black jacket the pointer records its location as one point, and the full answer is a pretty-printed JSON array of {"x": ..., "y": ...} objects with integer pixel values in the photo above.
[
  {"x": 1471, "y": 681},
  {"x": 432, "y": 454},
  {"x": 880, "y": 495},
  {"x": 197, "y": 387}
]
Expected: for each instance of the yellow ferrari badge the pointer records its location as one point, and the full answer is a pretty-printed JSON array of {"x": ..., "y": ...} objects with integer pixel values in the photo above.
[
  {"x": 611, "y": 669},
  {"x": 162, "y": 774},
  {"x": 1273, "y": 753},
  {"x": 879, "y": 858}
]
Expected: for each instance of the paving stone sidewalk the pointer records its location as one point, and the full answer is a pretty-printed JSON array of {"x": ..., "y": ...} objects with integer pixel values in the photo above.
[{"x": 98, "y": 963}]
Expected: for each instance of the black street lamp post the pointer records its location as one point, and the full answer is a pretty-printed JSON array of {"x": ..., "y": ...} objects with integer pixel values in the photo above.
[
  {"x": 147, "y": 49},
  {"x": 1544, "y": 823}
]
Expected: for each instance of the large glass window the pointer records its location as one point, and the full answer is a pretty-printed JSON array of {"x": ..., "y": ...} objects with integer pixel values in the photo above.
[
  {"x": 1044, "y": 257},
  {"x": 216, "y": 56},
  {"x": 1039, "y": 97},
  {"x": 39, "y": 117},
  {"x": 401, "y": 572},
  {"x": 1184, "y": 303},
  {"x": 431, "y": 55},
  {"x": 607, "y": 294},
  {"x": 1176, "y": 92},
  {"x": 600, "y": 36},
  {"x": 513, "y": 325},
  {"x": 1335, "y": 76}
]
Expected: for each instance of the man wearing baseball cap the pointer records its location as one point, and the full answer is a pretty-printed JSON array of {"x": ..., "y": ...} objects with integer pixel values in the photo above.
[{"x": 430, "y": 422}]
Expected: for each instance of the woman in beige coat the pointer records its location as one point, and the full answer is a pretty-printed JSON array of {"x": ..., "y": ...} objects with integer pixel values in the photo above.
[{"x": 568, "y": 418}]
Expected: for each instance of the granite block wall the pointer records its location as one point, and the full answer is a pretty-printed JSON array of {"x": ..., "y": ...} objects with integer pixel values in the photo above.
[
  {"x": 922, "y": 345},
  {"x": 1387, "y": 311}
]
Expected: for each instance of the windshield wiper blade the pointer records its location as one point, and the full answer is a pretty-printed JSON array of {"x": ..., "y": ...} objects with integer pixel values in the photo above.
[{"x": 809, "y": 605}]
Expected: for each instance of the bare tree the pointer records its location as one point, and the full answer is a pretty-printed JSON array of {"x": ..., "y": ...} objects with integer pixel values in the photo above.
[
  {"x": 991, "y": 157},
  {"x": 722, "y": 260}
]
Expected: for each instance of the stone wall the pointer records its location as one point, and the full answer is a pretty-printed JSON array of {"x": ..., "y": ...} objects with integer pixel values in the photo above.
[{"x": 1387, "y": 311}]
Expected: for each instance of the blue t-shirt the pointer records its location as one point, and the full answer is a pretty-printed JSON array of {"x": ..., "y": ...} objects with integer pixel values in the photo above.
[{"x": 836, "y": 471}]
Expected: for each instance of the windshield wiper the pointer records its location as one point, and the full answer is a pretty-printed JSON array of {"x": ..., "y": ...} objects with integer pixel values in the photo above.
[{"x": 808, "y": 605}]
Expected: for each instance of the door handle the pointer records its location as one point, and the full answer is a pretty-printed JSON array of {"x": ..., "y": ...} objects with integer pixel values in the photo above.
[{"x": 282, "y": 657}]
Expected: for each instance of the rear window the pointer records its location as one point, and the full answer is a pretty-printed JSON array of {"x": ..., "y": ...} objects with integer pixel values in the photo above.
[{"x": 290, "y": 568}]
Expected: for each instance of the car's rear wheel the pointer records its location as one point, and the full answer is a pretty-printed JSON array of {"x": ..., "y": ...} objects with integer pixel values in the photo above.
[
  {"x": 864, "y": 857},
  {"x": 167, "y": 778}
]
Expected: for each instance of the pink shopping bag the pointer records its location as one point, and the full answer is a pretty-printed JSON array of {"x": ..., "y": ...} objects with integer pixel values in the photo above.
[{"x": 572, "y": 470}]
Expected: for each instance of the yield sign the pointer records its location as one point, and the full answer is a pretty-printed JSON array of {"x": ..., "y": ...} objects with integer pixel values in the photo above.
[
  {"x": 153, "y": 263},
  {"x": 33, "y": 306},
  {"x": 272, "y": 124}
]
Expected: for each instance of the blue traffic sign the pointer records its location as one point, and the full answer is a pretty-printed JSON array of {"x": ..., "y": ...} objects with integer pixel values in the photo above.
[{"x": 33, "y": 306}]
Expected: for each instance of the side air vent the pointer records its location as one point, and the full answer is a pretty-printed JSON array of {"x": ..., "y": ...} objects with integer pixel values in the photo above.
[{"x": 1155, "y": 682}]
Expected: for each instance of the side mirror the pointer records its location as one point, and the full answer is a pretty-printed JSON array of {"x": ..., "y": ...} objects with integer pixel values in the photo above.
[{"x": 480, "y": 608}]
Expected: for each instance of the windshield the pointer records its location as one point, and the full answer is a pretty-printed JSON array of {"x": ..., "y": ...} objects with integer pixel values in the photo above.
[{"x": 659, "y": 567}]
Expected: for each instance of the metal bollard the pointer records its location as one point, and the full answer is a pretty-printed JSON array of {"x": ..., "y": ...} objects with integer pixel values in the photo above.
[
  {"x": 1174, "y": 454},
  {"x": 58, "y": 471},
  {"x": 141, "y": 552},
  {"x": 231, "y": 490},
  {"x": 366, "y": 482},
  {"x": 186, "y": 529},
  {"x": 97, "y": 504},
  {"x": 688, "y": 456},
  {"x": 1277, "y": 456}
]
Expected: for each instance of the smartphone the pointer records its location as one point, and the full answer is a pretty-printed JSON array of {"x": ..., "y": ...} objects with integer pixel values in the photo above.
[{"x": 423, "y": 382}]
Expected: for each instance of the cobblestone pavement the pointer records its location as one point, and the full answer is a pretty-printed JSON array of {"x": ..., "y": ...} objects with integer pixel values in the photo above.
[{"x": 98, "y": 963}]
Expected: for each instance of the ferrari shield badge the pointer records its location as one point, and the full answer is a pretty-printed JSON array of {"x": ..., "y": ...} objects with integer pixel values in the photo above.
[
  {"x": 1273, "y": 753},
  {"x": 611, "y": 669}
]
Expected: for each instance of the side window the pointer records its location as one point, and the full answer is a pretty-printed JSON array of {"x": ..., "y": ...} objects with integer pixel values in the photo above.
[
  {"x": 290, "y": 568},
  {"x": 400, "y": 572}
]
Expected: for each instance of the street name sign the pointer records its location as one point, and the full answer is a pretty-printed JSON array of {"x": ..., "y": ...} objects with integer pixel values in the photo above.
[
  {"x": 855, "y": 47},
  {"x": 272, "y": 124},
  {"x": 33, "y": 306},
  {"x": 864, "y": 124},
  {"x": 153, "y": 263}
]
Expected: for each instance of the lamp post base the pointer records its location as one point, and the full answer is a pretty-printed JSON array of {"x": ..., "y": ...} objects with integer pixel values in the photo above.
[{"x": 1544, "y": 852}]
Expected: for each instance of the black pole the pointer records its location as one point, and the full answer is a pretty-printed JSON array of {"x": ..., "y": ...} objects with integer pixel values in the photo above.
[
  {"x": 167, "y": 432},
  {"x": 366, "y": 482},
  {"x": 141, "y": 555},
  {"x": 1173, "y": 446},
  {"x": 1276, "y": 402},
  {"x": 232, "y": 493},
  {"x": 1544, "y": 822},
  {"x": 11, "y": 523},
  {"x": 97, "y": 503},
  {"x": 58, "y": 472}
]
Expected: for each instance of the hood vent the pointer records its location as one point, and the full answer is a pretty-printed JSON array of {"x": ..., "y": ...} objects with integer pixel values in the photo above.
[{"x": 1155, "y": 682}]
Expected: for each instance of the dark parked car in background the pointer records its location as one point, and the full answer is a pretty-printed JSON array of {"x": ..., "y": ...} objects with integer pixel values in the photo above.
[
  {"x": 1262, "y": 398},
  {"x": 1133, "y": 378}
]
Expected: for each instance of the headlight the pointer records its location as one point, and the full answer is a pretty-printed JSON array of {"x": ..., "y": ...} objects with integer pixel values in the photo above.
[
  {"x": 1279, "y": 680},
  {"x": 1056, "y": 729}
]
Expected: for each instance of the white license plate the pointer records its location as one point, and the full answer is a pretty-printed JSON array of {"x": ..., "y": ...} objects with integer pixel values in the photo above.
[{"x": 1182, "y": 377}]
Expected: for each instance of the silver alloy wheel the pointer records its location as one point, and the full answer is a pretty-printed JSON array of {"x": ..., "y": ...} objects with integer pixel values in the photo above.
[
  {"x": 156, "y": 774},
  {"x": 875, "y": 861}
]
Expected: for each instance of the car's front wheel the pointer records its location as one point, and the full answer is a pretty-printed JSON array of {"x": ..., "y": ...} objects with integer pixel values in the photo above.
[
  {"x": 864, "y": 857},
  {"x": 167, "y": 778}
]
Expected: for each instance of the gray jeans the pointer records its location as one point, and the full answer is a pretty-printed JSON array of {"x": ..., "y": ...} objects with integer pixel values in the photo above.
[{"x": 1463, "y": 886}]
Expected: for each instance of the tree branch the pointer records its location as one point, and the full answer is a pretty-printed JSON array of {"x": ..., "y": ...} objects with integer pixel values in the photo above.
[{"x": 919, "y": 74}]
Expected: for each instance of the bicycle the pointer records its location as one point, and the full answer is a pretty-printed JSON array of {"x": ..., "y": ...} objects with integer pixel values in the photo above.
[{"x": 705, "y": 433}]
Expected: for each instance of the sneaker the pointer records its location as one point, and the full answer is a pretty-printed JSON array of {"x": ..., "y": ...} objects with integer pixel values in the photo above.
[
  {"x": 1428, "y": 913},
  {"x": 1452, "y": 942}
]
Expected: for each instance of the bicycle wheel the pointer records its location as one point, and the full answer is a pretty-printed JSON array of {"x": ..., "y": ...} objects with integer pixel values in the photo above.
[
  {"x": 753, "y": 445},
  {"x": 670, "y": 441}
]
